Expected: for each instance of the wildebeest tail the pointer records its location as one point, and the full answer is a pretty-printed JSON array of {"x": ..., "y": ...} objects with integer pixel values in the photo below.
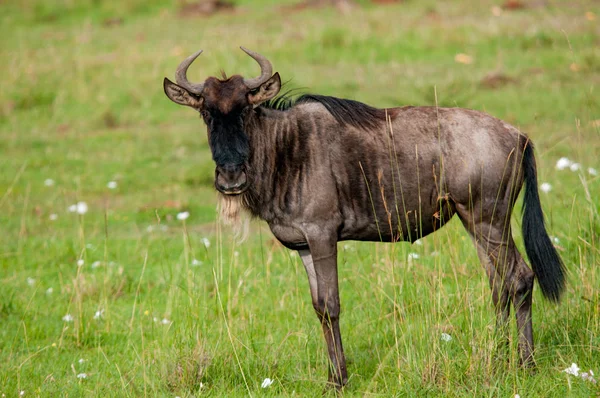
[{"x": 545, "y": 261}]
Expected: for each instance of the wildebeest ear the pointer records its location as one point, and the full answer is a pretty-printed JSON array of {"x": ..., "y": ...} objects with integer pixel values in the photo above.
[
  {"x": 180, "y": 95},
  {"x": 266, "y": 91}
]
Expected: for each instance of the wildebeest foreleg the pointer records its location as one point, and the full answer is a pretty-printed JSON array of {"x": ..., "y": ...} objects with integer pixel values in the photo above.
[{"x": 321, "y": 268}]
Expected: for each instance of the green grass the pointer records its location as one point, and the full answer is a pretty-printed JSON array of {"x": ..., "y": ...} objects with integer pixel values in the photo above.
[{"x": 81, "y": 102}]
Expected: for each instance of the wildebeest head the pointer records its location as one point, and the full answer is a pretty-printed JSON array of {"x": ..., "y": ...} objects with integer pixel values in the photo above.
[{"x": 225, "y": 106}]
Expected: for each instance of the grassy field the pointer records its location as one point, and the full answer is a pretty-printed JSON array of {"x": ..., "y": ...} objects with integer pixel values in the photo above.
[{"x": 128, "y": 300}]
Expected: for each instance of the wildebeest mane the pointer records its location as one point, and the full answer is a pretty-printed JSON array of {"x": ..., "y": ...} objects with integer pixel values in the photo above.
[{"x": 345, "y": 111}]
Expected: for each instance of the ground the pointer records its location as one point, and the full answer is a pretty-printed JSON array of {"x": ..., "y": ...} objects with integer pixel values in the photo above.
[{"x": 125, "y": 296}]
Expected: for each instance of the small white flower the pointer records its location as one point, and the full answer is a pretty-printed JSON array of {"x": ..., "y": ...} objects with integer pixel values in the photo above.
[
  {"x": 236, "y": 253},
  {"x": 112, "y": 185},
  {"x": 445, "y": 337},
  {"x": 53, "y": 217},
  {"x": 183, "y": 215},
  {"x": 81, "y": 360},
  {"x": 413, "y": 256},
  {"x": 545, "y": 187},
  {"x": 517, "y": 396},
  {"x": 593, "y": 171},
  {"x": 165, "y": 321},
  {"x": 96, "y": 264},
  {"x": 555, "y": 240},
  {"x": 149, "y": 228},
  {"x": 82, "y": 376},
  {"x": 80, "y": 262},
  {"x": 48, "y": 182},
  {"x": 266, "y": 383},
  {"x": 418, "y": 242},
  {"x": 155, "y": 319},
  {"x": 79, "y": 208},
  {"x": 68, "y": 318},
  {"x": 563, "y": 163},
  {"x": 22, "y": 392},
  {"x": 206, "y": 242},
  {"x": 196, "y": 263},
  {"x": 589, "y": 376},
  {"x": 572, "y": 370},
  {"x": 89, "y": 246},
  {"x": 82, "y": 207},
  {"x": 30, "y": 281},
  {"x": 98, "y": 314},
  {"x": 575, "y": 167},
  {"x": 49, "y": 291}
]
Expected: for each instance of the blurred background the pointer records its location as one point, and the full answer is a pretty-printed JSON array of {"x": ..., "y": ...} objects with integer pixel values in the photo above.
[{"x": 116, "y": 279}]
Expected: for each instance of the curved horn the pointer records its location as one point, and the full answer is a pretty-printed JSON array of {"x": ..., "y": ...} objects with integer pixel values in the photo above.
[
  {"x": 266, "y": 70},
  {"x": 181, "y": 75}
]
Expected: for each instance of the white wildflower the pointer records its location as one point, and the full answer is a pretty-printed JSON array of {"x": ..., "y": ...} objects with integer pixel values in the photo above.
[
  {"x": 96, "y": 264},
  {"x": 79, "y": 207},
  {"x": 68, "y": 318},
  {"x": 48, "y": 182},
  {"x": 445, "y": 337},
  {"x": 236, "y": 253},
  {"x": 112, "y": 185},
  {"x": 183, "y": 215},
  {"x": 593, "y": 171},
  {"x": 98, "y": 314},
  {"x": 22, "y": 392},
  {"x": 30, "y": 281},
  {"x": 53, "y": 217},
  {"x": 196, "y": 262},
  {"x": 49, "y": 291},
  {"x": 545, "y": 187},
  {"x": 80, "y": 262},
  {"x": 149, "y": 228},
  {"x": 82, "y": 376},
  {"x": 165, "y": 321},
  {"x": 81, "y": 360},
  {"x": 206, "y": 242},
  {"x": 90, "y": 246},
  {"x": 575, "y": 167},
  {"x": 413, "y": 256},
  {"x": 572, "y": 370},
  {"x": 155, "y": 319},
  {"x": 555, "y": 240},
  {"x": 82, "y": 207},
  {"x": 563, "y": 163},
  {"x": 266, "y": 383},
  {"x": 517, "y": 396},
  {"x": 418, "y": 242},
  {"x": 589, "y": 376}
]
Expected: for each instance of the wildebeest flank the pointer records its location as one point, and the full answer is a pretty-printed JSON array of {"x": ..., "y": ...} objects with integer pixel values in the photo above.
[{"x": 322, "y": 169}]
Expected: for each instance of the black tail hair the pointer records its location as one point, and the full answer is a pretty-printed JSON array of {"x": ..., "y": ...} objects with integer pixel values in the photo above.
[{"x": 545, "y": 261}]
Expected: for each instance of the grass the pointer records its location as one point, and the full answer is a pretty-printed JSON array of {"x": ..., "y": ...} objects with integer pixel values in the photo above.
[{"x": 82, "y": 104}]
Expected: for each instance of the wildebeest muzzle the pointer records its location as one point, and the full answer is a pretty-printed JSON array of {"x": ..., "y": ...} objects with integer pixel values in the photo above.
[{"x": 231, "y": 179}]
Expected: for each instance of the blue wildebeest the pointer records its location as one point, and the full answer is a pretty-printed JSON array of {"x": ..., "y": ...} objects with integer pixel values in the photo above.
[{"x": 322, "y": 169}]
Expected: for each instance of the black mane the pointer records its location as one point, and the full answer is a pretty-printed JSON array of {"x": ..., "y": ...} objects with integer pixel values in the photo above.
[{"x": 345, "y": 111}]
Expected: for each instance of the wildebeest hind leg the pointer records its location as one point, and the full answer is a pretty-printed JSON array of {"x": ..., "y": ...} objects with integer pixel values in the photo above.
[{"x": 494, "y": 249}]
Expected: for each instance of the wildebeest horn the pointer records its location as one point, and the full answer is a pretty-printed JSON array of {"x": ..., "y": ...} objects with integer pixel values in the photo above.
[
  {"x": 181, "y": 75},
  {"x": 266, "y": 70}
]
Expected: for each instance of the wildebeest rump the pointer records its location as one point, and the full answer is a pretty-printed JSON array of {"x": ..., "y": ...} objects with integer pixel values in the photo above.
[{"x": 322, "y": 169}]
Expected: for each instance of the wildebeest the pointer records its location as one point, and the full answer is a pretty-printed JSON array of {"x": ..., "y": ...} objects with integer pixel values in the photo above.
[{"x": 322, "y": 169}]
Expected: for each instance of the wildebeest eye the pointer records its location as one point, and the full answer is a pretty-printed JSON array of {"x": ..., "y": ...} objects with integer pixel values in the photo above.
[
  {"x": 254, "y": 91},
  {"x": 205, "y": 114}
]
